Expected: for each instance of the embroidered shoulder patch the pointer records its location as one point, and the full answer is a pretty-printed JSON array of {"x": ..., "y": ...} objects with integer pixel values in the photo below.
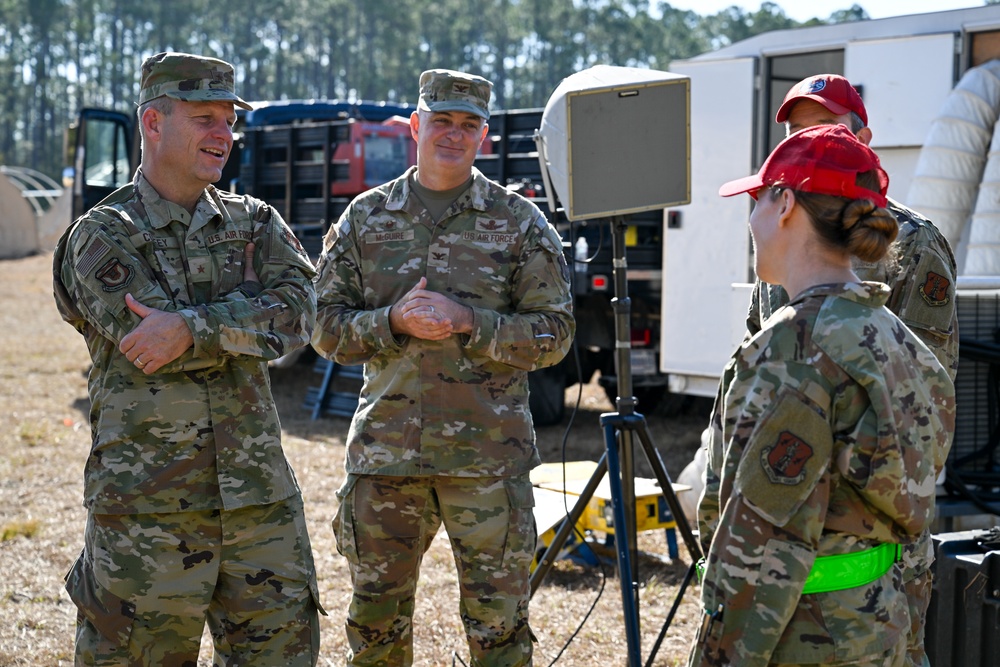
[
  {"x": 785, "y": 461},
  {"x": 94, "y": 253},
  {"x": 291, "y": 240},
  {"x": 114, "y": 275},
  {"x": 934, "y": 289}
]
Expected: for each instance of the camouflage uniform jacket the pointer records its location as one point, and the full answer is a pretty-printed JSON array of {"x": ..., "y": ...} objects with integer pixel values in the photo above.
[
  {"x": 834, "y": 423},
  {"x": 457, "y": 406},
  {"x": 202, "y": 432},
  {"x": 921, "y": 276}
]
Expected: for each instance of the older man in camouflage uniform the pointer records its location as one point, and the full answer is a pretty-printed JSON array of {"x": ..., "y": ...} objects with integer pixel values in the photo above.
[
  {"x": 835, "y": 421},
  {"x": 921, "y": 274},
  {"x": 449, "y": 288},
  {"x": 183, "y": 292}
]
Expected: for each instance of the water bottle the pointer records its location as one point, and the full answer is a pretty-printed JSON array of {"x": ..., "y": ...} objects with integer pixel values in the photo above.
[{"x": 580, "y": 252}]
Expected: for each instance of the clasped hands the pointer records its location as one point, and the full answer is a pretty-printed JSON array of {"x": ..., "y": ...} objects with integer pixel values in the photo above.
[{"x": 429, "y": 315}]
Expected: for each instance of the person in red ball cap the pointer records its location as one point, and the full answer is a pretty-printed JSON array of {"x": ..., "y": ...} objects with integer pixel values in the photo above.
[
  {"x": 831, "y": 92},
  {"x": 921, "y": 273},
  {"x": 832, "y": 425}
]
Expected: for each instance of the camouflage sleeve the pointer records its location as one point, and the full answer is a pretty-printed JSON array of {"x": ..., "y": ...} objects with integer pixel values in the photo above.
[
  {"x": 708, "y": 504},
  {"x": 923, "y": 290},
  {"x": 99, "y": 265},
  {"x": 778, "y": 469},
  {"x": 345, "y": 330},
  {"x": 540, "y": 328},
  {"x": 270, "y": 322}
]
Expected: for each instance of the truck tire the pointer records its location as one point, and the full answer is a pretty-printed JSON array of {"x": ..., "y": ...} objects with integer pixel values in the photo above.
[{"x": 547, "y": 395}]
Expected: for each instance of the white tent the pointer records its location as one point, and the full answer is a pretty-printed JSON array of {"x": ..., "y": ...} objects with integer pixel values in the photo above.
[
  {"x": 18, "y": 233},
  {"x": 34, "y": 211}
]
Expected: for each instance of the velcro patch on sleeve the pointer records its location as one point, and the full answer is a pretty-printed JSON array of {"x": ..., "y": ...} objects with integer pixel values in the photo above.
[
  {"x": 284, "y": 248},
  {"x": 787, "y": 454},
  {"x": 930, "y": 303},
  {"x": 97, "y": 250},
  {"x": 103, "y": 264}
]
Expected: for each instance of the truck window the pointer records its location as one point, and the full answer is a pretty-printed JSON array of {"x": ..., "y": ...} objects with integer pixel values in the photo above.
[
  {"x": 101, "y": 149},
  {"x": 386, "y": 157},
  {"x": 106, "y": 161}
]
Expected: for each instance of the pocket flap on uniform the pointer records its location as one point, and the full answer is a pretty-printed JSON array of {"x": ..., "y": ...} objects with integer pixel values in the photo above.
[{"x": 110, "y": 614}]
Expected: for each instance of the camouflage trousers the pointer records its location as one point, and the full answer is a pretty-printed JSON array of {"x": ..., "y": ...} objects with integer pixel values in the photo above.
[
  {"x": 384, "y": 525},
  {"x": 145, "y": 584},
  {"x": 896, "y": 657},
  {"x": 918, "y": 583},
  {"x": 918, "y": 595}
]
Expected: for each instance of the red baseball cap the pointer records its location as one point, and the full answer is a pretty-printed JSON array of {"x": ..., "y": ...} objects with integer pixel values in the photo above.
[
  {"x": 831, "y": 90},
  {"x": 825, "y": 159}
]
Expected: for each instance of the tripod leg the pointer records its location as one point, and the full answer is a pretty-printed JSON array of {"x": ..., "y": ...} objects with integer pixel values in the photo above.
[
  {"x": 692, "y": 544},
  {"x": 568, "y": 525},
  {"x": 629, "y": 534},
  {"x": 667, "y": 487},
  {"x": 629, "y": 588},
  {"x": 670, "y": 617}
]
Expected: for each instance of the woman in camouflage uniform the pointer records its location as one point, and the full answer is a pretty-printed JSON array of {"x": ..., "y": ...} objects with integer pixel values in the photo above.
[{"x": 831, "y": 425}]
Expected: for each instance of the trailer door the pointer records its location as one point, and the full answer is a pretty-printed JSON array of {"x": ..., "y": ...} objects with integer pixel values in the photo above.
[
  {"x": 706, "y": 249},
  {"x": 904, "y": 82}
]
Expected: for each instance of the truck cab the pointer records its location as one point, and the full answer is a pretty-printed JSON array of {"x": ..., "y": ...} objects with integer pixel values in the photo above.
[{"x": 103, "y": 149}]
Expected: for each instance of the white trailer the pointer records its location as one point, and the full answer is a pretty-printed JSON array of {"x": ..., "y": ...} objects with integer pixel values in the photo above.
[{"x": 905, "y": 69}]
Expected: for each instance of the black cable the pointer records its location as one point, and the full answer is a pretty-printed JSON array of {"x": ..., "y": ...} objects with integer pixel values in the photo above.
[{"x": 600, "y": 592}]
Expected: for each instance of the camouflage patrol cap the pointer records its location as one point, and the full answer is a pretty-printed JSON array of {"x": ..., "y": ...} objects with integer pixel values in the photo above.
[
  {"x": 448, "y": 90},
  {"x": 188, "y": 77}
]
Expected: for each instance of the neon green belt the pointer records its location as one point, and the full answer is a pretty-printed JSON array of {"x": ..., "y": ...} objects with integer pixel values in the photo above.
[{"x": 842, "y": 571}]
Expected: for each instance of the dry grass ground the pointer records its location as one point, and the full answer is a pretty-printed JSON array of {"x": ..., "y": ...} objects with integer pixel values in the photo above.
[{"x": 44, "y": 438}]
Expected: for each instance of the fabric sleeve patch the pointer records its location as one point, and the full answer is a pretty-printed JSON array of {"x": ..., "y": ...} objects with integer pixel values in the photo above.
[
  {"x": 787, "y": 454},
  {"x": 930, "y": 302},
  {"x": 106, "y": 268},
  {"x": 785, "y": 461},
  {"x": 95, "y": 252},
  {"x": 284, "y": 248},
  {"x": 552, "y": 244}
]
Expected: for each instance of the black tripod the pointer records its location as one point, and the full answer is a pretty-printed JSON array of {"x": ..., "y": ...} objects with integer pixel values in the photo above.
[{"x": 617, "y": 461}]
